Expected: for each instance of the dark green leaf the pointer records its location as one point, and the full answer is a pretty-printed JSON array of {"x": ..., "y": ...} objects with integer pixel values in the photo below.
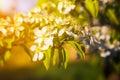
[
  {"x": 66, "y": 54},
  {"x": 62, "y": 56},
  {"x": 47, "y": 59},
  {"x": 55, "y": 55},
  {"x": 92, "y": 7},
  {"x": 111, "y": 15},
  {"x": 80, "y": 51},
  {"x": 96, "y": 6},
  {"x": 77, "y": 47}
]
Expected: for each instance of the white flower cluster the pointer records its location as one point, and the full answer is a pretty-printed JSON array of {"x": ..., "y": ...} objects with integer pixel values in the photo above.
[
  {"x": 65, "y": 7},
  {"x": 44, "y": 40},
  {"x": 40, "y": 28},
  {"x": 8, "y": 29},
  {"x": 44, "y": 34}
]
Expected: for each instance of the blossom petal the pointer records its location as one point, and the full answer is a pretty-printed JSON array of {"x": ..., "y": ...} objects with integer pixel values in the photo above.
[
  {"x": 35, "y": 57},
  {"x": 60, "y": 6},
  {"x": 39, "y": 40},
  {"x": 48, "y": 41},
  {"x": 37, "y": 32},
  {"x": 33, "y": 47},
  {"x": 61, "y": 32},
  {"x": 43, "y": 30},
  {"x": 55, "y": 31},
  {"x": 71, "y": 34},
  {"x": 40, "y": 56}
]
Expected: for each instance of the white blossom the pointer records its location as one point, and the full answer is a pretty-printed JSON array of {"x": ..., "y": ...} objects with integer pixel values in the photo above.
[
  {"x": 40, "y": 56},
  {"x": 65, "y": 7},
  {"x": 68, "y": 9},
  {"x": 61, "y": 32},
  {"x": 39, "y": 40},
  {"x": 39, "y": 32},
  {"x": 35, "y": 57},
  {"x": 60, "y": 6},
  {"x": 33, "y": 47},
  {"x": 47, "y": 43},
  {"x": 58, "y": 20},
  {"x": 105, "y": 54},
  {"x": 71, "y": 34},
  {"x": 44, "y": 38}
]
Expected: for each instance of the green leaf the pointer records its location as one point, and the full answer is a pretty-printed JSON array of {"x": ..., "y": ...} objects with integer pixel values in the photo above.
[
  {"x": 55, "y": 55},
  {"x": 77, "y": 47},
  {"x": 66, "y": 54},
  {"x": 92, "y": 7},
  {"x": 61, "y": 56},
  {"x": 80, "y": 51},
  {"x": 46, "y": 62},
  {"x": 7, "y": 55},
  {"x": 111, "y": 15},
  {"x": 96, "y": 6}
]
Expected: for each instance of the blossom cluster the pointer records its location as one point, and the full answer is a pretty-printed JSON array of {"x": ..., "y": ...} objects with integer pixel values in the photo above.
[{"x": 41, "y": 30}]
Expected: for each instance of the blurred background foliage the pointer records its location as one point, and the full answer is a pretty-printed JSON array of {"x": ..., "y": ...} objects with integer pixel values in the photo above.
[
  {"x": 109, "y": 14},
  {"x": 102, "y": 60}
]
